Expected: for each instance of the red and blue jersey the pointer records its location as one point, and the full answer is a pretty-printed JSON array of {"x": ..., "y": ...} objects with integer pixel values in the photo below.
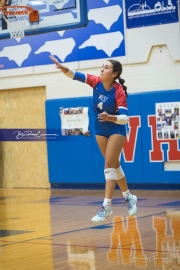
[{"x": 113, "y": 101}]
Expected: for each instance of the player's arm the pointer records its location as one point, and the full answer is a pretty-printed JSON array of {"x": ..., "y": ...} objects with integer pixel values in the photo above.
[
  {"x": 121, "y": 119},
  {"x": 63, "y": 68},
  {"x": 76, "y": 75},
  {"x": 121, "y": 102},
  {"x": 72, "y": 74}
]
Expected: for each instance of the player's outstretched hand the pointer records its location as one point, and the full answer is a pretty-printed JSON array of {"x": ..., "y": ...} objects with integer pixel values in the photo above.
[
  {"x": 103, "y": 117},
  {"x": 56, "y": 62}
]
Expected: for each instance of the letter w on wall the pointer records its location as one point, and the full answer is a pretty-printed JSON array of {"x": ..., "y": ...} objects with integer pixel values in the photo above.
[{"x": 130, "y": 145}]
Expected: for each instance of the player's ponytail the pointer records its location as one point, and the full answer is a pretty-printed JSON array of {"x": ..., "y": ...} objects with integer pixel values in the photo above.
[
  {"x": 117, "y": 67},
  {"x": 122, "y": 81}
]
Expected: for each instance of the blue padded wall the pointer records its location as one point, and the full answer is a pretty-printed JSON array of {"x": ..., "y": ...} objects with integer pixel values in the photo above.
[
  {"x": 153, "y": 172},
  {"x": 69, "y": 160},
  {"x": 77, "y": 159},
  {"x": 131, "y": 158}
]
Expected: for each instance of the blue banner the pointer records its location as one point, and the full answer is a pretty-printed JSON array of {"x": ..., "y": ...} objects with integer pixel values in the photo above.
[
  {"x": 37, "y": 135},
  {"x": 141, "y": 13}
]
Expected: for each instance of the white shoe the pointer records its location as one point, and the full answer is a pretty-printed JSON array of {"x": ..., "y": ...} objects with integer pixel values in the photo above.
[
  {"x": 103, "y": 213},
  {"x": 130, "y": 202}
]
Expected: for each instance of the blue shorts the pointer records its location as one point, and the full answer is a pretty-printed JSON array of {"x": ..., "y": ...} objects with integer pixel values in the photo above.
[{"x": 107, "y": 129}]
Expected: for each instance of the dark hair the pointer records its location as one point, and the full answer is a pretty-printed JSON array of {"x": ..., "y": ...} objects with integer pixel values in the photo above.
[{"x": 117, "y": 67}]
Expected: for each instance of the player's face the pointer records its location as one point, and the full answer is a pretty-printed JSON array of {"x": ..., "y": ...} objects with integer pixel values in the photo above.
[{"x": 107, "y": 73}]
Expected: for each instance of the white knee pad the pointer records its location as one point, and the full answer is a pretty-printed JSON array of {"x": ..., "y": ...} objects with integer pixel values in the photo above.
[
  {"x": 110, "y": 174},
  {"x": 119, "y": 173}
]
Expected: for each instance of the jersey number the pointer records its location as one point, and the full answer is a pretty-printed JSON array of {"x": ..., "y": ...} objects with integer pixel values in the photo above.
[{"x": 100, "y": 105}]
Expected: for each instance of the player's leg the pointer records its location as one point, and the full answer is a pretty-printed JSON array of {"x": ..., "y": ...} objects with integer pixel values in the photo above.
[
  {"x": 130, "y": 199},
  {"x": 105, "y": 210},
  {"x": 110, "y": 149},
  {"x": 110, "y": 184},
  {"x": 113, "y": 150},
  {"x": 121, "y": 178}
]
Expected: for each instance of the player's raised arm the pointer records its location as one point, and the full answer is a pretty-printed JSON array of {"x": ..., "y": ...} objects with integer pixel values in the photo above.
[
  {"x": 67, "y": 71},
  {"x": 63, "y": 68},
  {"x": 75, "y": 75}
]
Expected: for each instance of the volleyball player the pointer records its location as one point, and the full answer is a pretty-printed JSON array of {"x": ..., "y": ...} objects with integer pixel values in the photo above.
[{"x": 110, "y": 109}]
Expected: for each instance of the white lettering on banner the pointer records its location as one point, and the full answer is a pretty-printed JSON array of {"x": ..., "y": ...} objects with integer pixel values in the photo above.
[{"x": 141, "y": 10}]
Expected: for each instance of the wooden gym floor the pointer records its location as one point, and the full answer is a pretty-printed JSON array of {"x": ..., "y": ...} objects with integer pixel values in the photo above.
[{"x": 52, "y": 229}]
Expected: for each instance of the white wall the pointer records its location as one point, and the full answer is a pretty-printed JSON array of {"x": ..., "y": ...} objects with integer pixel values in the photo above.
[{"x": 160, "y": 72}]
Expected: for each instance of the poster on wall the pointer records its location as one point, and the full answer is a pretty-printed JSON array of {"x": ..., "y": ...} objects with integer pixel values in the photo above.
[
  {"x": 168, "y": 120},
  {"x": 74, "y": 121},
  {"x": 141, "y": 13}
]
